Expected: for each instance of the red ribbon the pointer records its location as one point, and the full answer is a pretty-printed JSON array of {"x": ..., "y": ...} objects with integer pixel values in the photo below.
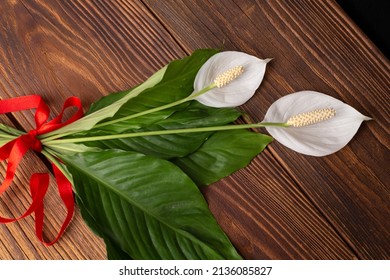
[{"x": 17, "y": 148}]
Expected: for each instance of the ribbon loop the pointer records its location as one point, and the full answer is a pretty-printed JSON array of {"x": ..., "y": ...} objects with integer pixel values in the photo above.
[{"x": 15, "y": 150}]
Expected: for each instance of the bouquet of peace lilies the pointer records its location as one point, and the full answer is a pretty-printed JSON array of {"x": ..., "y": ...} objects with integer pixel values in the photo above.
[{"x": 136, "y": 159}]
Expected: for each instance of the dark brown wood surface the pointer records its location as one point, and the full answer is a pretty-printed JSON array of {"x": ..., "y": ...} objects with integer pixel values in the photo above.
[{"x": 283, "y": 205}]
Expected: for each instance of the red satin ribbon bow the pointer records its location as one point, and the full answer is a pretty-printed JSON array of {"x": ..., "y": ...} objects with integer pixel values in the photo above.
[{"x": 17, "y": 148}]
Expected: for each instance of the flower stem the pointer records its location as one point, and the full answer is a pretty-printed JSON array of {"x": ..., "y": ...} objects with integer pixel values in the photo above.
[
  {"x": 159, "y": 132},
  {"x": 7, "y": 136},
  {"x": 153, "y": 110},
  {"x": 10, "y": 130},
  {"x": 46, "y": 152}
]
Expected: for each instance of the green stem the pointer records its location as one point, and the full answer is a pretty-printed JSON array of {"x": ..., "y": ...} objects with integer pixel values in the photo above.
[
  {"x": 159, "y": 132},
  {"x": 142, "y": 113},
  {"x": 7, "y": 136},
  {"x": 11, "y": 130},
  {"x": 153, "y": 110},
  {"x": 60, "y": 166},
  {"x": 69, "y": 149}
]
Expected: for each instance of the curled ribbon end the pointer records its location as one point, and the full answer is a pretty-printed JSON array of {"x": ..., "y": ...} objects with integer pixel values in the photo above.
[{"x": 15, "y": 150}]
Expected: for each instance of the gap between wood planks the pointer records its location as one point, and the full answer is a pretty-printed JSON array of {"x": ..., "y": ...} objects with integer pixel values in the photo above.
[
  {"x": 273, "y": 153},
  {"x": 182, "y": 47}
]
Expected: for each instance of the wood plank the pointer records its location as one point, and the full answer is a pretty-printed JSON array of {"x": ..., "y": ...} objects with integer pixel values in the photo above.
[
  {"x": 315, "y": 46},
  {"x": 87, "y": 49}
]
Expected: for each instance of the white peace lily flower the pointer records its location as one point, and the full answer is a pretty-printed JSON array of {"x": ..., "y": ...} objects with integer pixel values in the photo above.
[
  {"x": 230, "y": 79},
  {"x": 319, "y": 124}
]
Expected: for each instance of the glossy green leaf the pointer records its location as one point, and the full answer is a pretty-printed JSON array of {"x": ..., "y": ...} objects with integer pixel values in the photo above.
[
  {"x": 222, "y": 154},
  {"x": 90, "y": 120},
  {"x": 113, "y": 251},
  {"x": 87, "y": 217},
  {"x": 147, "y": 207},
  {"x": 176, "y": 84}
]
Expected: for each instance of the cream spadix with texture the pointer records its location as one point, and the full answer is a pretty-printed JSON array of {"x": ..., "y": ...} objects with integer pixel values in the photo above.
[
  {"x": 319, "y": 124},
  {"x": 232, "y": 76}
]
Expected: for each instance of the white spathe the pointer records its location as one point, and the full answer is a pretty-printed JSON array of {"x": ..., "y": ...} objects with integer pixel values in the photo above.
[
  {"x": 318, "y": 139},
  {"x": 238, "y": 91}
]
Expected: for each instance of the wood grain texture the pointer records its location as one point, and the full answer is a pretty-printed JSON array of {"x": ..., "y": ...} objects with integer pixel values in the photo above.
[
  {"x": 59, "y": 49},
  {"x": 315, "y": 46},
  {"x": 284, "y": 205}
]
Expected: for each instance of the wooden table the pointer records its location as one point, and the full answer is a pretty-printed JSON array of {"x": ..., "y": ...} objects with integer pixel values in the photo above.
[{"x": 284, "y": 205}]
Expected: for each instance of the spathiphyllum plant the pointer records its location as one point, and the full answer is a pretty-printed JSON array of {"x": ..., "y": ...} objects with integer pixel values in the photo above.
[{"x": 136, "y": 159}]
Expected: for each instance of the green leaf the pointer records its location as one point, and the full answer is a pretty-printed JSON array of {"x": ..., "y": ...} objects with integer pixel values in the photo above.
[
  {"x": 147, "y": 207},
  {"x": 115, "y": 96},
  {"x": 222, "y": 154},
  {"x": 174, "y": 145},
  {"x": 115, "y": 253},
  {"x": 88, "y": 218},
  {"x": 176, "y": 84},
  {"x": 104, "y": 112}
]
